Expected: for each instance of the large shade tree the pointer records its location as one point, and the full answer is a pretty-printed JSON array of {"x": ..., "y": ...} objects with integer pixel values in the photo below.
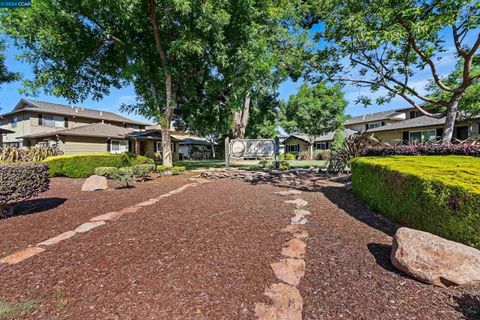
[
  {"x": 386, "y": 42},
  {"x": 263, "y": 45},
  {"x": 81, "y": 49},
  {"x": 5, "y": 75},
  {"x": 315, "y": 111}
]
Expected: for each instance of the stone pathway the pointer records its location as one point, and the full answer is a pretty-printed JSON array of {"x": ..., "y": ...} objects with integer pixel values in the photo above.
[
  {"x": 286, "y": 300},
  {"x": 95, "y": 222}
]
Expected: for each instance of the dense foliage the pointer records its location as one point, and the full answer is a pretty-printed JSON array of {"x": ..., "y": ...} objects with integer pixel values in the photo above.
[
  {"x": 19, "y": 181},
  {"x": 84, "y": 165},
  {"x": 5, "y": 75},
  {"x": 440, "y": 195},
  {"x": 387, "y": 42},
  {"x": 35, "y": 154},
  {"x": 465, "y": 149}
]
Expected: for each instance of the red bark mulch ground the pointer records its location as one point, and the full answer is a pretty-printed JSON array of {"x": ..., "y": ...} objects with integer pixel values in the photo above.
[
  {"x": 64, "y": 207},
  {"x": 205, "y": 253}
]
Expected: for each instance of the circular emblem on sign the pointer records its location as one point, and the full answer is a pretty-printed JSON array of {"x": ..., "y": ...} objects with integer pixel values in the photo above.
[{"x": 238, "y": 148}]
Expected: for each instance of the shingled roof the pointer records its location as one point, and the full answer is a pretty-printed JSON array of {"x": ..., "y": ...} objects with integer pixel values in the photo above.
[
  {"x": 97, "y": 130},
  {"x": 326, "y": 137},
  {"x": 64, "y": 110}
]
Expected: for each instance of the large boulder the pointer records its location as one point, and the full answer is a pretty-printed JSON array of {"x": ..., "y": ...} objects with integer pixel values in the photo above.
[
  {"x": 94, "y": 183},
  {"x": 435, "y": 260}
]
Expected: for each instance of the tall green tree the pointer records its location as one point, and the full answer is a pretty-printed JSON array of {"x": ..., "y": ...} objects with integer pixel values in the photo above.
[
  {"x": 315, "y": 111},
  {"x": 5, "y": 75},
  {"x": 83, "y": 48},
  {"x": 469, "y": 104},
  {"x": 388, "y": 41},
  {"x": 264, "y": 117},
  {"x": 263, "y": 45}
]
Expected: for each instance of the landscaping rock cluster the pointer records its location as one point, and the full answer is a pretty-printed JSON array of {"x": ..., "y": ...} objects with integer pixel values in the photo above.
[{"x": 298, "y": 179}]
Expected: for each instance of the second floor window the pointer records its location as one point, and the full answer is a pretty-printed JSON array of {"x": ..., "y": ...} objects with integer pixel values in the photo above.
[
  {"x": 375, "y": 125},
  {"x": 49, "y": 120},
  {"x": 14, "y": 121}
]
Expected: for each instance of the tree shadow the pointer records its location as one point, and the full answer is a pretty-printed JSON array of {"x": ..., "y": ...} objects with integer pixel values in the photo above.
[
  {"x": 344, "y": 198},
  {"x": 469, "y": 305},
  {"x": 381, "y": 253},
  {"x": 34, "y": 206}
]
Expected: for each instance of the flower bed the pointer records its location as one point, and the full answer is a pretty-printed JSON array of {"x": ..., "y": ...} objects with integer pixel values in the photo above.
[
  {"x": 466, "y": 149},
  {"x": 437, "y": 194}
]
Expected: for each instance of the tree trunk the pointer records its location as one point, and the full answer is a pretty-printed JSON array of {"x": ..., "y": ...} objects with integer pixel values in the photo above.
[
  {"x": 241, "y": 118},
  {"x": 450, "y": 118},
  {"x": 312, "y": 143},
  {"x": 213, "y": 150},
  {"x": 166, "y": 147}
]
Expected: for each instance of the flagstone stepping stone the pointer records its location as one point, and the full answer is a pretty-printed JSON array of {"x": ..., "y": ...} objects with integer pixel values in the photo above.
[
  {"x": 57, "y": 239},
  {"x": 296, "y": 231},
  {"x": 290, "y": 271},
  {"x": 287, "y": 303},
  {"x": 146, "y": 203},
  {"x": 289, "y": 192},
  {"x": 298, "y": 220},
  {"x": 21, "y": 255},
  {"x": 130, "y": 210},
  {"x": 301, "y": 212},
  {"x": 166, "y": 195},
  {"x": 89, "y": 226},
  {"x": 298, "y": 202},
  {"x": 294, "y": 248},
  {"x": 111, "y": 216}
]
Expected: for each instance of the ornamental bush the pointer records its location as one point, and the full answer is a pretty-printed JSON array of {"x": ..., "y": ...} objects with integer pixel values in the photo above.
[
  {"x": 178, "y": 170},
  {"x": 436, "y": 194},
  {"x": 287, "y": 156},
  {"x": 142, "y": 171},
  {"x": 20, "y": 181},
  {"x": 84, "y": 165},
  {"x": 107, "y": 172},
  {"x": 465, "y": 149}
]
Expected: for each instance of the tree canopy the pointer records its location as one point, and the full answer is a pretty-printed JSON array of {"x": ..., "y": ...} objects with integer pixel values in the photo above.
[
  {"x": 5, "y": 75},
  {"x": 387, "y": 41},
  {"x": 315, "y": 110}
]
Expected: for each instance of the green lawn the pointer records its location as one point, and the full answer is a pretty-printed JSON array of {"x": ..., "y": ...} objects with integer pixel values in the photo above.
[{"x": 247, "y": 164}]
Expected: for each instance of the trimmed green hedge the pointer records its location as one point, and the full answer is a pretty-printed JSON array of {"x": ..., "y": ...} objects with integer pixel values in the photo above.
[
  {"x": 437, "y": 194},
  {"x": 84, "y": 165}
]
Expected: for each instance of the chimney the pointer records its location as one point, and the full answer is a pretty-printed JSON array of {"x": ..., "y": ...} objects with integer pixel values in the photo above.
[{"x": 101, "y": 113}]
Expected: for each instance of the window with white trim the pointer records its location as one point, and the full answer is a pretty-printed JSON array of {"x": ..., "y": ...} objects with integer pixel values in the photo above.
[
  {"x": 118, "y": 146},
  {"x": 49, "y": 120},
  {"x": 375, "y": 125},
  {"x": 422, "y": 136},
  {"x": 292, "y": 148},
  {"x": 321, "y": 146}
]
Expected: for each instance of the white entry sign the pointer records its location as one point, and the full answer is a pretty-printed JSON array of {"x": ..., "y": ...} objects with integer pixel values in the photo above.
[{"x": 252, "y": 148}]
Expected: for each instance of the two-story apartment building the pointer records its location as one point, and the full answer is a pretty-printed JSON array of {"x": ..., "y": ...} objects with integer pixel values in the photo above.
[
  {"x": 76, "y": 130},
  {"x": 409, "y": 125}
]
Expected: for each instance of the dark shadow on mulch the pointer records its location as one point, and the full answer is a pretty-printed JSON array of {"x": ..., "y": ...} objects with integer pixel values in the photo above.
[
  {"x": 381, "y": 253},
  {"x": 35, "y": 205},
  {"x": 469, "y": 306},
  {"x": 346, "y": 200}
]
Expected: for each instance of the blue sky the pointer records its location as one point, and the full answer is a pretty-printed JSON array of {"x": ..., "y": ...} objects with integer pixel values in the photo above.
[{"x": 9, "y": 93}]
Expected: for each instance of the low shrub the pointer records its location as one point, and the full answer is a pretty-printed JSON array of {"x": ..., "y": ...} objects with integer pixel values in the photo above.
[
  {"x": 436, "y": 194},
  {"x": 287, "y": 156},
  {"x": 107, "y": 172},
  {"x": 178, "y": 170},
  {"x": 304, "y": 155},
  {"x": 142, "y": 171},
  {"x": 163, "y": 169},
  {"x": 322, "y": 155},
  {"x": 123, "y": 176},
  {"x": 465, "y": 149},
  {"x": 284, "y": 165},
  {"x": 20, "y": 181},
  {"x": 84, "y": 165},
  {"x": 264, "y": 163}
]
